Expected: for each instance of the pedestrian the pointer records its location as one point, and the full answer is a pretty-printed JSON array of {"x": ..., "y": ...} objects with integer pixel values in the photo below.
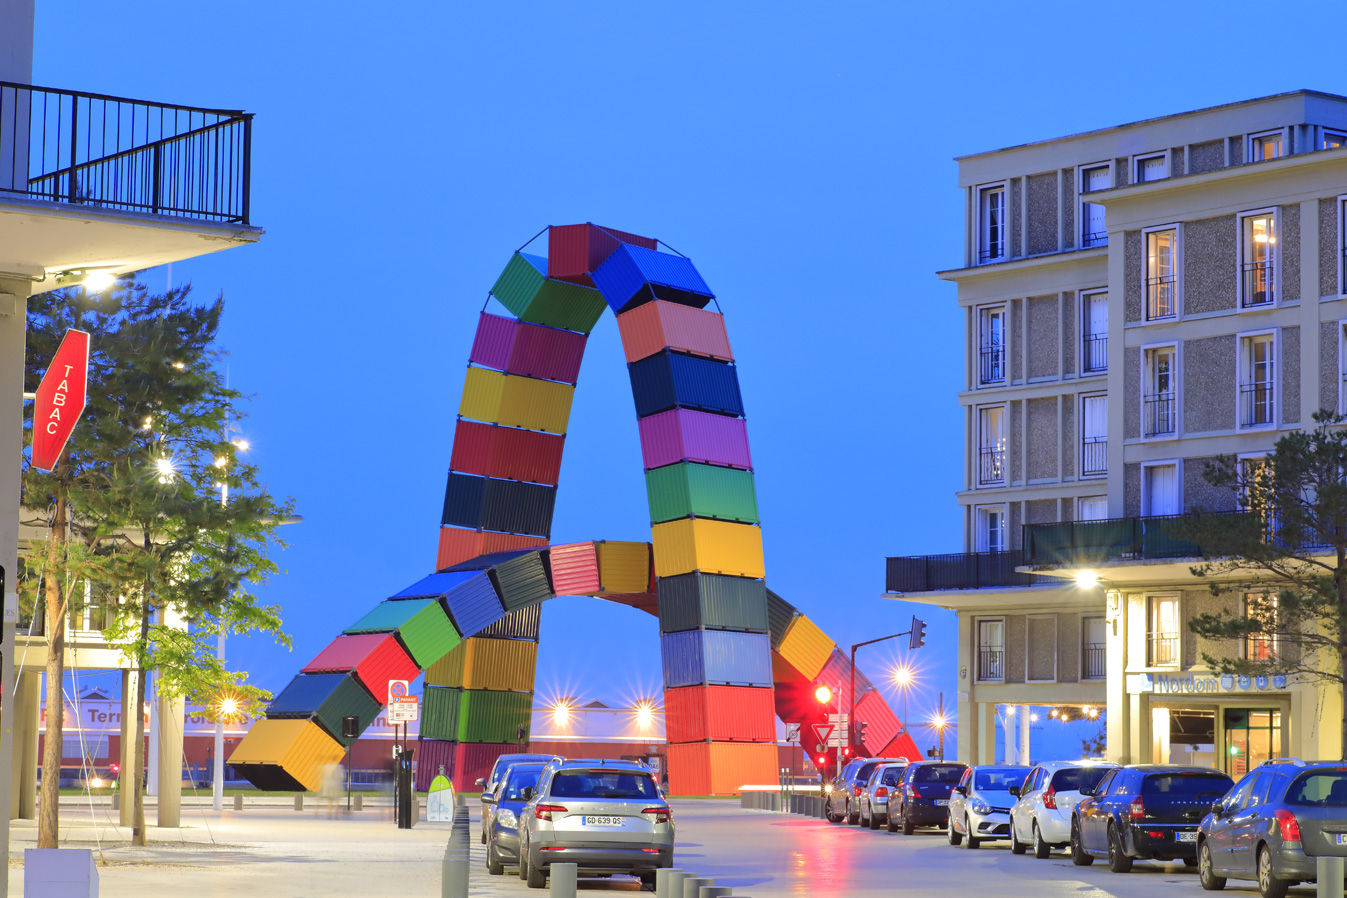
[{"x": 331, "y": 788}]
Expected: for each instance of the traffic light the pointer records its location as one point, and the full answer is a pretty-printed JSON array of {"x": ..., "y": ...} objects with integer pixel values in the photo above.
[
  {"x": 846, "y": 752},
  {"x": 860, "y": 732},
  {"x": 823, "y": 694},
  {"x": 918, "y": 634},
  {"x": 822, "y": 762}
]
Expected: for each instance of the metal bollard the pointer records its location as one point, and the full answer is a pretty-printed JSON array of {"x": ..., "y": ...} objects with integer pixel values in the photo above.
[
  {"x": 692, "y": 885},
  {"x": 454, "y": 868},
  {"x": 238, "y": 801},
  {"x": 116, "y": 801},
  {"x": 1329, "y": 872},
  {"x": 715, "y": 892},
  {"x": 359, "y": 801},
  {"x": 562, "y": 880},
  {"x": 299, "y": 801},
  {"x": 663, "y": 877}
]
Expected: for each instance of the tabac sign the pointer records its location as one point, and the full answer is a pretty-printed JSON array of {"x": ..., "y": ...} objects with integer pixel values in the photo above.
[
  {"x": 60, "y": 399},
  {"x": 1209, "y": 684}
]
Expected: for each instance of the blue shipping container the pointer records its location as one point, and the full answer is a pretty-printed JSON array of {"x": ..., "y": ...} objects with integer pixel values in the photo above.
[
  {"x": 716, "y": 657},
  {"x": 634, "y": 275},
  {"x": 672, "y": 380},
  {"x": 433, "y": 587},
  {"x": 304, "y": 694},
  {"x": 505, "y": 506},
  {"x": 473, "y": 604}
]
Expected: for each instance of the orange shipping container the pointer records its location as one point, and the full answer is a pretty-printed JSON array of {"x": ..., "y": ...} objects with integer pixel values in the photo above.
[
  {"x": 516, "y": 401},
  {"x": 500, "y": 665},
  {"x": 719, "y": 713},
  {"x": 625, "y": 567},
  {"x": 299, "y": 747},
  {"x": 575, "y": 569},
  {"x": 721, "y": 768},
  {"x": 806, "y": 648},
  {"x": 649, "y": 328},
  {"x": 459, "y": 545},
  {"x": 712, "y": 547}
]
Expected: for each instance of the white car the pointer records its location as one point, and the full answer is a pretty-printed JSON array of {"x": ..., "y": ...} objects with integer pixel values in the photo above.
[
  {"x": 980, "y": 803},
  {"x": 1041, "y": 815}
]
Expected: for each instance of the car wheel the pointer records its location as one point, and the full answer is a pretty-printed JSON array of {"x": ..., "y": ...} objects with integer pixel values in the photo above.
[
  {"x": 853, "y": 817},
  {"x": 891, "y": 824},
  {"x": 493, "y": 864},
  {"x": 1206, "y": 872},
  {"x": 951, "y": 833},
  {"x": 537, "y": 878},
  {"x": 523, "y": 860},
  {"x": 907, "y": 825},
  {"x": 1269, "y": 886},
  {"x": 1041, "y": 849},
  {"x": 969, "y": 840},
  {"x": 1118, "y": 861},
  {"x": 1016, "y": 846},
  {"x": 648, "y": 881},
  {"x": 1078, "y": 855}
]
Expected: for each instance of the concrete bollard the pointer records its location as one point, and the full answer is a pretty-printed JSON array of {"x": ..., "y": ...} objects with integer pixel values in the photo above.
[
  {"x": 457, "y": 855},
  {"x": 715, "y": 892},
  {"x": 663, "y": 877},
  {"x": 116, "y": 801},
  {"x": 358, "y": 801},
  {"x": 238, "y": 801},
  {"x": 1329, "y": 872},
  {"x": 299, "y": 801},
  {"x": 692, "y": 885},
  {"x": 562, "y": 880}
]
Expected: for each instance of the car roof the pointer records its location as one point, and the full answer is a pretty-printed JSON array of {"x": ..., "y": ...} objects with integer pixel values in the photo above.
[
  {"x": 1054, "y": 766},
  {"x": 1172, "y": 768},
  {"x": 928, "y": 762},
  {"x": 601, "y": 762},
  {"x": 1002, "y": 766}
]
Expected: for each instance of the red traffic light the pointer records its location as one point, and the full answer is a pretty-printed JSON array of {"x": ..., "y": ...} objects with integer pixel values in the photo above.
[
  {"x": 116, "y": 768},
  {"x": 821, "y": 762},
  {"x": 846, "y": 752}
]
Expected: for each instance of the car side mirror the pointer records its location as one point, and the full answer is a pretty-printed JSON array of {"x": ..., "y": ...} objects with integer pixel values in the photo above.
[
  {"x": 962, "y": 790},
  {"x": 1218, "y": 808},
  {"x": 1014, "y": 790},
  {"x": 489, "y": 797},
  {"x": 1086, "y": 790},
  {"x": 481, "y": 782},
  {"x": 528, "y": 793}
]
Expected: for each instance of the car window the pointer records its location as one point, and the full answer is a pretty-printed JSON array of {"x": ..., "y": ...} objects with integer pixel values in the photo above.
[
  {"x": 1186, "y": 784},
  {"x": 892, "y": 775},
  {"x": 517, "y": 780},
  {"x": 866, "y": 769},
  {"x": 1028, "y": 784},
  {"x": 967, "y": 776},
  {"x": 602, "y": 784},
  {"x": 1325, "y": 787},
  {"x": 938, "y": 773},
  {"x": 1071, "y": 779},
  {"x": 1238, "y": 797},
  {"x": 997, "y": 779},
  {"x": 1105, "y": 785}
]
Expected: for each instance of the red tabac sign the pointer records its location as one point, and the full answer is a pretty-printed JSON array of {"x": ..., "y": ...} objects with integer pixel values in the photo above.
[{"x": 60, "y": 399}]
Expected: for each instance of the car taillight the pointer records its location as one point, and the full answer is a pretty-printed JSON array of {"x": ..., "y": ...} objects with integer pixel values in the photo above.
[
  {"x": 882, "y": 792},
  {"x": 1050, "y": 798},
  {"x": 1290, "y": 826},
  {"x": 1137, "y": 809},
  {"x": 661, "y": 814},
  {"x": 856, "y": 791},
  {"x": 911, "y": 791},
  {"x": 545, "y": 811}
]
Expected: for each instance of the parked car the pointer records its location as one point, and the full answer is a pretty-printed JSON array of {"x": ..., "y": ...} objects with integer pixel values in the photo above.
[
  {"x": 488, "y": 783},
  {"x": 979, "y": 808},
  {"x": 1147, "y": 811},
  {"x": 604, "y": 816},
  {"x": 842, "y": 802},
  {"x": 1273, "y": 825},
  {"x": 923, "y": 795},
  {"x": 875, "y": 794},
  {"x": 502, "y": 839},
  {"x": 1041, "y": 814}
]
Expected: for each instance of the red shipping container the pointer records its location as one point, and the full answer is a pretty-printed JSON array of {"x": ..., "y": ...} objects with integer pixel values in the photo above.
[
  {"x": 376, "y": 658},
  {"x": 720, "y": 714},
  {"x": 650, "y": 328},
  {"x": 431, "y": 755},
  {"x": 474, "y": 760},
  {"x": 881, "y": 723},
  {"x": 641, "y": 601},
  {"x": 493, "y": 342},
  {"x": 573, "y": 251},
  {"x": 901, "y": 746},
  {"x": 458, "y": 544},
  {"x": 721, "y": 768},
  {"x": 575, "y": 569},
  {"x": 547, "y": 352},
  {"x": 838, "y": 672},
  {"x": 680, "y": 433},
  {"x": 491, "y": 450}
]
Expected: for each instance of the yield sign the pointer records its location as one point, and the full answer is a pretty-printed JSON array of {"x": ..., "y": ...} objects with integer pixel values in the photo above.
[
  {"x": 823, "y": 731},
  {"x": 60, "y": 399}
]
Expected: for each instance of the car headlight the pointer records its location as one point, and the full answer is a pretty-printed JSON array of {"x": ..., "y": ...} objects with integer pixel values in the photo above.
[
  {"x": 980, "y": 807},
  {"x": 507, "y": 819}
]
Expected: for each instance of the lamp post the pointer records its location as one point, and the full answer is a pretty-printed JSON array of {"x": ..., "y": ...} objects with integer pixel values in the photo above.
[{"x": 917, "y": 634}]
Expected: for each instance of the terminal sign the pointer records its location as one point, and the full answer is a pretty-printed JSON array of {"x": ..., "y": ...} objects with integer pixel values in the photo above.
[{"x": 60, "y": 399}]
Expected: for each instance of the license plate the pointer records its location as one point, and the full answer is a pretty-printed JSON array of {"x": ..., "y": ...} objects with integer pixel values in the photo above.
[
  {"x": 1341, "y": 838},
  {"x": 603, "y": 821},
  {"x": 941, "y": 802},
  {"x": 1185, "y": 837}
]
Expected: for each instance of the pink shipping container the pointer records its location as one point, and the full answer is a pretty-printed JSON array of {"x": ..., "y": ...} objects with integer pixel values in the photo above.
[
  {"x": 474, "y": 760},
  {"x": 375, "y": 658},
  {"x": 528, "y": 349},
  {"x": 431, "y": 755},
  {"x": 575, "y": 569},
  {"x": 901, "y": 746},
  {"x": 681, "y": 433},
  {"x": 881, "y": 723},
  {"x": 573, "y": 251},
  {"x": 649, "y": 328}
]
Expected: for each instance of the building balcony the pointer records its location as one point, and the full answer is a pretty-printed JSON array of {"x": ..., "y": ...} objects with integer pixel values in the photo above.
[
  {"x": 1088, "y": 543},
  {"x": 90, "y": 182},
  {"x": 964, "y": 570}
]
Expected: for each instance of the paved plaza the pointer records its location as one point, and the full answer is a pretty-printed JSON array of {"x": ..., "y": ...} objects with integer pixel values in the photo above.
[{"x": 272, "y": 851}]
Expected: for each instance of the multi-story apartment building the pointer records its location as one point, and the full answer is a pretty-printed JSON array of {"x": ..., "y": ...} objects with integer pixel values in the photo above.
[{"x": 1137, "y": 301}]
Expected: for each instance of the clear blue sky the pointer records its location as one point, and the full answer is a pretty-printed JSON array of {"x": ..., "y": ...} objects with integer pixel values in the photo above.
[{"x": 801, "y": 154}]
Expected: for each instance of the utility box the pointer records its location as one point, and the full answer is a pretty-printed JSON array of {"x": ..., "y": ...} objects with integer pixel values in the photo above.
[{"x": 59, "y": 873}]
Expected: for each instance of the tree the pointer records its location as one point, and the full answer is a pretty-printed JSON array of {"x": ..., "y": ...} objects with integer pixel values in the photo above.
[
  {"x": 1281, "y": 563},
  {"x": 135, "y": 505},
  {"x": 1096, "y": 745}
]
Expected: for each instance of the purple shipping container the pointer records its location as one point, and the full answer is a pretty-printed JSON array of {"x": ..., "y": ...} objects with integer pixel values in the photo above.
[
  {"x": 528, "y": 349},
  {"x": 681, "y": 433},
  {"x": 431, "y": 755},
  {"x": 495, "y": 338}
]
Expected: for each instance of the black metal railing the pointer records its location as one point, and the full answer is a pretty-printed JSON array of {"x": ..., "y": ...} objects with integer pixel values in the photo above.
[
  {"x": 1259, "y": 284},
  {"x": 1074, "y": 543},
  {"x": 991, "y": 663},
  {"x": 1093, "y": 456},
  {"x": 1256, "y": 404},
  {"x": 1096, "y": 660},
  {"x": 1163, "y": 649},
  {"x": 995, "y": 253},
  {"x": 991, "y": 466},
  {"x": 962, "y": 570},
  {"x": 110, "y": 152},
  {"x": 1159, "y": 414},
  {"x": 1093, "y": 239},
  {"x": 1094, "y": 353},
  {"x": 992, "y": 364},
  {"x": 1162, "y": 297}
]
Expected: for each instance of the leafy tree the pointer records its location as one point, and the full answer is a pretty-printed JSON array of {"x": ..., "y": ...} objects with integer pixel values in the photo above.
[
  {"x": 1282, "y": 564},
  {"x": 136, "y": 506},
  {"x": 1096, "y": 745}
]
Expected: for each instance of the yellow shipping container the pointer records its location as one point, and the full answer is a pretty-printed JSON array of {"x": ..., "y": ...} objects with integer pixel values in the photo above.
[
  {"x": 299, "y": 747},
  {"x": 535, "y": 404},
  {"x": 482, "y": 391},
  {"x": 806, "y": 647},
  {"x": 448, "y": 671},
  {"x": 500, "y": 665},
  {"x": 624, "y": 567},
  {"x": 712, "y": 547}
]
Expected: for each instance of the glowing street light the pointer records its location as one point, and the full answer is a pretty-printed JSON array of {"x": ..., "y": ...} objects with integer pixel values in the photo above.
[
  {"x": 823, "y": 694},
  {"x": 1087, "y": 579},
  {"x": 166, "y": 468},
  {"x": 561, "y": 713},
  {"x": 645, "y": 714}
]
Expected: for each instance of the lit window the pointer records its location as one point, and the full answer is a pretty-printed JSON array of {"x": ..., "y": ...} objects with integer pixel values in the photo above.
[
  {"x": 992, "y": 445},
  {"x": 1258, "y": 383},
  {"x": 1162, "y": 273},
  {"x": 991, "y": 649},
  {"x": 1258, "y": 260},
  {"x": 1332, "y": 140},
  {"x": 992, "y": 345},
  {"x": 1162, "y": 631},
  {"x": 1159, "y": 399},
  {"x": 992, "y": 224},
  {"x": 1261, "y": 606},
  {"x": 1266, "y": 146}
]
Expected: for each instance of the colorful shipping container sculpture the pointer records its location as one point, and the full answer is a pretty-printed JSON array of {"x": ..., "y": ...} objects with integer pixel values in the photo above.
[{"x": 735, "y": 655}]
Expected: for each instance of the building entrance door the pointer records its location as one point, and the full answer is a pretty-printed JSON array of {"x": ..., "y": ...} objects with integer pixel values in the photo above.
[
  {"x": 1191, "y": 736},
  {"x": 1252, "y": 736}
]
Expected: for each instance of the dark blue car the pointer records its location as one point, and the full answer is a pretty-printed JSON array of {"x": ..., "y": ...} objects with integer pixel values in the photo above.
[{"x": 502, "y": 841}]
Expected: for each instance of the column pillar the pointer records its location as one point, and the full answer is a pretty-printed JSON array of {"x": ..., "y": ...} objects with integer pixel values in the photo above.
[
  {"x": 1023, "y": 713},
  {"x": 130, "y": 733},
  {"x": 171, "y": 710},
  {"x": 27, "y": 716},
  {"x": 1012, "y": 751},
  {"x": 985, "y": 714}
]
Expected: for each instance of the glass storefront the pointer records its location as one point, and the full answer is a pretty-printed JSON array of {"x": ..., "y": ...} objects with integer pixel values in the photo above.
[
  {"x": 1252, "y": 736},
  {"x": 1233, "y": 739}
]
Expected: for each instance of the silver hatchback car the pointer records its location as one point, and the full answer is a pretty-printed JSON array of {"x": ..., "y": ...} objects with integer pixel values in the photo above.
[
  {"x": 874, "y": 800},
  {"x": 603, "y": 816}
]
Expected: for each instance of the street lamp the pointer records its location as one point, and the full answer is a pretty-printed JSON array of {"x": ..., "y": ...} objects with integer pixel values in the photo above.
[{"x": 904, "y": 676}]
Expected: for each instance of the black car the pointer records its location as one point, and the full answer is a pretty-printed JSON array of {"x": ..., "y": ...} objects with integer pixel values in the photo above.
[
  {"x": 923, "y": 795},
  {"x": 1146, "y": 811}
]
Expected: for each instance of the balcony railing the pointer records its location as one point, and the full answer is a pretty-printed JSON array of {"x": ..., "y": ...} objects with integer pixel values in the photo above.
[
  {"x": 1159, "y": 414},
  {"x": 991, "y": 466},
  {"x": 1074, "y": 543},
  {"x": 1161, "y": 297},
  {"x": 1258, "y": 281},
  {"x": 1096, "y": 660},
  {"x": 1093, "y": 456},
  {"x": 1163, "y": 649},
  {"x": 1094, "y": 353},
  {"x": 1256, "y": 404},
  {"x": 113, "y": 153},
  {"x": 992, "y": 364},
  {"x": 991, "y": 664},
  {"x": 964, "y": 570}
]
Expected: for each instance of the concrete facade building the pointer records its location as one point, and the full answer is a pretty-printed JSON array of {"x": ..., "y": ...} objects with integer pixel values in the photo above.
[{"x": 1137, "y": 301}]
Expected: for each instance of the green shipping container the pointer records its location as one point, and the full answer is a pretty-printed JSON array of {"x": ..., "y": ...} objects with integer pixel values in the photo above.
[
  {"x": 439, "y": 712},
  {"x": 524, "y": 288},
  {"x": 421, "y": 625},
  {"x": 704, "y": 491},
  {"x": 712, "y": 602},
  {"x": 493, "y": 716}
]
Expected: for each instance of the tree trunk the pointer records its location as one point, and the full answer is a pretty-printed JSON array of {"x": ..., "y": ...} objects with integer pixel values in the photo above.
[
  {"x": 138, "y": 762},
  {"x": 49, "y": 820}
]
